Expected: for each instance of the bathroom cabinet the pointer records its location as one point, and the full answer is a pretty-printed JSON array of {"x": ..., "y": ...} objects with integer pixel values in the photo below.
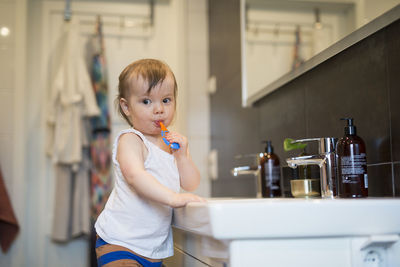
[
  {"x": 192, "y": 250},
  {"x": 289, "y": 232}
]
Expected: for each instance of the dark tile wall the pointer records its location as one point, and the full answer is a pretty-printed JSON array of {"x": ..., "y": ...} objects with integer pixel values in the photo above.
[
  {"x": 396, "y": 178},
  {"x": 392, "y": 41},
  {"x": 380, "y": 180},
  {"x": 363, "y": 82}
]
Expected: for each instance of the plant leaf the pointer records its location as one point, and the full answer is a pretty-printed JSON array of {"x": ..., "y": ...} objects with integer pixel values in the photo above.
[{"x": 288, "y": 145}]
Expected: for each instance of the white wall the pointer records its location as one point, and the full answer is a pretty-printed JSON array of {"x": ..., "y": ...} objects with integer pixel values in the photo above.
[
  {"x": 373, "y": 8},
  {"x": 180, "y": 38}
]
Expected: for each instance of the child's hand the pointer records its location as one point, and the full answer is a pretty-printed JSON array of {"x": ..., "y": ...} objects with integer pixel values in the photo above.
[
  {"x": 174, "y": 137},
  {"x": 181, "y": 199}
]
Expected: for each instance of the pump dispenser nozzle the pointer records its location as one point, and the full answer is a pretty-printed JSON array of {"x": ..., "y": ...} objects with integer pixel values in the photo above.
[
  {"x": 268, "y": 148},
  {"x": 349, "y": 129}
]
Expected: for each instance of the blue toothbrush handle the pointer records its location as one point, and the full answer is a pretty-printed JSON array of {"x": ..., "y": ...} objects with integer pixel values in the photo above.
[
  {"x": 172, "y": 145},
  {"x": 175, "y": 146}
]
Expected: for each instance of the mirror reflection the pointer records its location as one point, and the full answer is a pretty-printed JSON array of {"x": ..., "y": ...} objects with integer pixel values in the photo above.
[{"x": 279, "y": 36}]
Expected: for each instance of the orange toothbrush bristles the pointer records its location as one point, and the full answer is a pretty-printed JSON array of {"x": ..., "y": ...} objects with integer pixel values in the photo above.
[{"x": 163, "y": 128}]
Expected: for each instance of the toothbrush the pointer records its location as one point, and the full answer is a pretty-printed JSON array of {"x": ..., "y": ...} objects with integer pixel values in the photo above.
[{"x": 164, "y": 130}]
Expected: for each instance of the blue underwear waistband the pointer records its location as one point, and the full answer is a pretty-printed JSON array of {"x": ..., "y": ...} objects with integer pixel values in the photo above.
[{"x": 122, "y": 255}]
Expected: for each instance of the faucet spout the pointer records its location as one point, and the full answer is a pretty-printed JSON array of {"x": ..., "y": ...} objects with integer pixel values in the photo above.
[
  {"x": 245, "y": 170},
  {"x": 306, "y": 160}
]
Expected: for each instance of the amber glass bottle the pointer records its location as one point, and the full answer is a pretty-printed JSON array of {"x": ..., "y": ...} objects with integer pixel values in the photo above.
[
  {"x": 270, "y": 173},
  {"x": 352, "y": 164}
]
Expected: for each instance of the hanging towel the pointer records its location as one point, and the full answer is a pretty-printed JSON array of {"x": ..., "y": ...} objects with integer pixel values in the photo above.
[
  {"x": 9, "y": 227},
  {"x": 100, "y": 147},
  {"x": 297, "y": 57}
]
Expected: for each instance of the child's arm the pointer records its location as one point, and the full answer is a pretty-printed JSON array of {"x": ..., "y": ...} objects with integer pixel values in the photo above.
[
  {"x": 189, "y": 174},
  {"x": 131, "y": 155}
]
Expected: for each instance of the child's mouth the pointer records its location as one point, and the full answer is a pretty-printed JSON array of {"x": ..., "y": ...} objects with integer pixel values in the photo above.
[{"x": 157, "y": 123}]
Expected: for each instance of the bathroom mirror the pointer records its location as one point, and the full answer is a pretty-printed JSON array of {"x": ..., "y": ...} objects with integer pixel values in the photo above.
[{"x": 281, "y": 39}]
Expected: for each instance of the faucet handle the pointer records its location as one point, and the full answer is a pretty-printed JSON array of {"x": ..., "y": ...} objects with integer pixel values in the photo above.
[{"x": 325, "y": 144}]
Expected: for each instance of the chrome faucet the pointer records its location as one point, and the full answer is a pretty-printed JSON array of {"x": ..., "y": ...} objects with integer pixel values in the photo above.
[
  {"x": 252, "y": 169},
  {"x": 326, "y": 160}
]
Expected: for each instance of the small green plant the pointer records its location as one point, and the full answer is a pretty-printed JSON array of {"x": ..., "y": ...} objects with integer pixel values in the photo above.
[{"x": 289, "y": 145}]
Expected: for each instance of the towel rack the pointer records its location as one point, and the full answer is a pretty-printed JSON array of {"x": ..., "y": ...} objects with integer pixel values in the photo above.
[{"x": 68, "y": 13}]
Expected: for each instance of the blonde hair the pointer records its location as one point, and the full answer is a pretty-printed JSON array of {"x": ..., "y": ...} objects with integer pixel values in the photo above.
[{"x": 151, "y": 70}]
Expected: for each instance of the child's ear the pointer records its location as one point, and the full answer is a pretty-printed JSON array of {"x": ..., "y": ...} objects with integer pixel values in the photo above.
[{"x": 124, "y": 105}]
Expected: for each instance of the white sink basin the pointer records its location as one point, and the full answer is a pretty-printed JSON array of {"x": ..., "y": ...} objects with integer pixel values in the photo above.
[{"x": 290, "y": 218}]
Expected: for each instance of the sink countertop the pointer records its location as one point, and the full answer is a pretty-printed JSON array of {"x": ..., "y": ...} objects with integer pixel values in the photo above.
[{"x": 289, "y": 218}]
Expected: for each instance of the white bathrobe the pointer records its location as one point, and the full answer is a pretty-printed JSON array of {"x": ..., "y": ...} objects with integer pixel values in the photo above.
[{"x": 72, "y": 100}]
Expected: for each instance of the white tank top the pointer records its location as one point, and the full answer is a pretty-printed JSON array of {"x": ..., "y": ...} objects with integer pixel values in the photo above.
[{"x": 136, "y": 223}]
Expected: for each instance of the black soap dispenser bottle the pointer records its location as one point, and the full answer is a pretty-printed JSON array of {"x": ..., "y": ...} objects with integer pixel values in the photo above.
[
  {"x": 352, "y": 164},
  {"x": 270, "y": 173}
]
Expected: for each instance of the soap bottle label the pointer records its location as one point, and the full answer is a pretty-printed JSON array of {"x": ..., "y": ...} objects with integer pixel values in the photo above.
[
  {"x": 354, "y": 164},
  {"x": 272, "y": 176},
  {"x": 353, "y": 175}
]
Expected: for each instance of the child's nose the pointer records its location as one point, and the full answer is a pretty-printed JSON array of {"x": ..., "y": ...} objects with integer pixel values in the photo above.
[{"x": 158, "y": 108}]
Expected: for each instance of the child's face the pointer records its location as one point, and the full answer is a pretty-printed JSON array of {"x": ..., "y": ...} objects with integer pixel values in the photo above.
[{"x": 146, "y": 109}]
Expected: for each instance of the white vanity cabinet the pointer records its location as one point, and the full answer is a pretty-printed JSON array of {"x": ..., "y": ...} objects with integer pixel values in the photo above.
[
  {"x": 193, "y": 250},
  {"x": 290, "y": 232}
]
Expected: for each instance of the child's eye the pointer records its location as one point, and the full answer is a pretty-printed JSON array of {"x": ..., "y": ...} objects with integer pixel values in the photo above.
[
  {"x": 166, "y": 100},
  {"x": 146, "y": 101}
]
